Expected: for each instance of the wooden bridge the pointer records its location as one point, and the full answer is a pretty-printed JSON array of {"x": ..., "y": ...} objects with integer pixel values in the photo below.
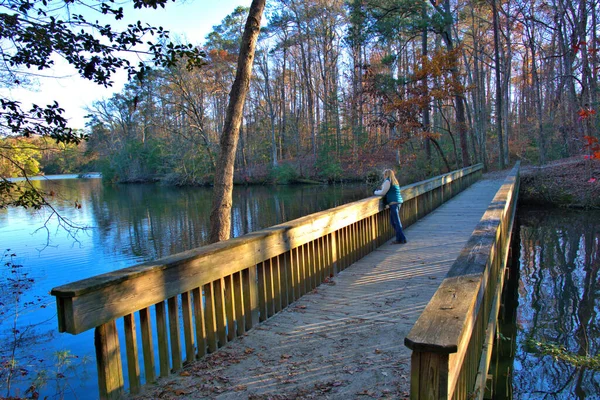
[{"x": 318, "y": 307}]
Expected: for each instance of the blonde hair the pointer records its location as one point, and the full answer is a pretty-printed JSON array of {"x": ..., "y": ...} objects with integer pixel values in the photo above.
[{"x": 389, "y": 173}]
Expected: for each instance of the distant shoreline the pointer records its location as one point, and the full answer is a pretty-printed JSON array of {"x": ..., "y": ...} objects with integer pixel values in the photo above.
[{"x": 87, "y": 175}]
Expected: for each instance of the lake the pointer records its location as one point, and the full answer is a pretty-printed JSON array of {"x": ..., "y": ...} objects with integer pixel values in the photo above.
[
  {"x": 125, "y": 225},
  {"x": 550, "y": 319}
]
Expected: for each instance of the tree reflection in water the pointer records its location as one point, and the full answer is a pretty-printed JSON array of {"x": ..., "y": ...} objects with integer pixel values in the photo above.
[
  {"x": 558, "y": 294},
  {"x": 153, "y": 221}
]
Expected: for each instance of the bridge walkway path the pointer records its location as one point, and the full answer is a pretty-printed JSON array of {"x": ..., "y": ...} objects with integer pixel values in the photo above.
[{"x": 345, "y": 339}]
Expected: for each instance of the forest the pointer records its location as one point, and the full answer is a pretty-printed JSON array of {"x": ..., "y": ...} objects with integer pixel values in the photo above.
[{"x": 341, "y": 88}]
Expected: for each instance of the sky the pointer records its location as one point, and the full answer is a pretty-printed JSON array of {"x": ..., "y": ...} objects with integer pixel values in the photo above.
[{"x": 190, "y": 20}]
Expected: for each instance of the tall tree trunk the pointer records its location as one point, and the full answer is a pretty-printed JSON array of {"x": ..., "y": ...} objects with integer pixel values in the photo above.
[
  {"x": 498, "y": 86},
  {"x": 220, "y": 216},
  {"x": 595, "y": 52},
  {"x": 478, "y": 93},
  {"x": 264, "y": 68},
  {"x": 425, "y": 110},
  {"x": 506, "y": 86},
  {"x": 282, "y": 132},
  {"x": 537, "y": 92}
]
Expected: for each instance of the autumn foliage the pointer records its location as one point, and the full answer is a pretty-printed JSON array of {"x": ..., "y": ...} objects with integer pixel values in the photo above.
[{"x": 593, "y": 147}]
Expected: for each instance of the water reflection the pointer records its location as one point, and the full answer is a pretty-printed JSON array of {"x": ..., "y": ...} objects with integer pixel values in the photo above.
[
  {"x": 153, "y": 221},
  {"x": 558, "y": 302},
  {"x": 129, "y": 224}
]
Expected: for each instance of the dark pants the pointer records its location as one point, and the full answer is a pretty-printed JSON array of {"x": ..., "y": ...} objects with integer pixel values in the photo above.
[{"x": 395, "y": 220}]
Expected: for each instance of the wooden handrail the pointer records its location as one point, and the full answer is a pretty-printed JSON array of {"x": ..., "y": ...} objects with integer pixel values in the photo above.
[
  {"x": 226, "y": 288},
  {"x": 449, "y": 337}
]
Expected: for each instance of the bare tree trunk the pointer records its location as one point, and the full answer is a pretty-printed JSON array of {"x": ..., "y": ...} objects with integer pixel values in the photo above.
[
  {"x": 220, "y": 216},
  {"x": 282, "y": 131},
  {"x": 425, "y": 110},
  {"x": 498, "y": 86},
  {"x": 537, "y": 91},
  {"x": 478, "y": 93},
  {"x": 595, "y": 89},
  {"x": 506, "y": 86}
]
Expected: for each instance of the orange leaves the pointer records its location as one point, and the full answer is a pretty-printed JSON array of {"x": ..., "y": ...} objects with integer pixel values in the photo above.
[
  {"x": 439, "y": 63},
  {"x": 593, "y": 147},
  {"x": 585, "y": 113}
]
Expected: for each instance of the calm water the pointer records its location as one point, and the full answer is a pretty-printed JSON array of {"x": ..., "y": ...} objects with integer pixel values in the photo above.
[
  {"x": 128, "y": 224},
  {"x": 555, "y": 300}
]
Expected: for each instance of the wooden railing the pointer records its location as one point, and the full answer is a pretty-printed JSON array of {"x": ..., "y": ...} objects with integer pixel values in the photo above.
[
  {"x": 452, "y": 339},
  {"x": 224, "y": 289}
]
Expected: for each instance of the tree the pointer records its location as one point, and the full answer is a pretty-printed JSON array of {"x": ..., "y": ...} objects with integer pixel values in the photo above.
[
  {"x": 498, "y": 85},
  {"x": 220, "y": 216}
]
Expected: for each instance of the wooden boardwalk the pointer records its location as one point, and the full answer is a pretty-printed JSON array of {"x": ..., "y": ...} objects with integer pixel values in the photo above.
[{"x": 345, "y": 339}]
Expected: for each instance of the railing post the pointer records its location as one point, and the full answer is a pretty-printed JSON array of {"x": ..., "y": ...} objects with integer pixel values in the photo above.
[
  {"x": 133, "y": 367},
  {"x": 108, "y": 360},
  {"x": 334, "y": 255},
  {"x": 429, "y": 376},
  {"x": 251, "y": 293}
]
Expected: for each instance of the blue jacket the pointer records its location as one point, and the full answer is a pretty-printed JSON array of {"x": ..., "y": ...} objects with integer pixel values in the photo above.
[
  {"x": 391, "y": 192},
  {"x": 393, "y": 195}
]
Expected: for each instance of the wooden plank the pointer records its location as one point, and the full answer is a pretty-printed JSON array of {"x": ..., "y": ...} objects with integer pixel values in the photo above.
[
  {"x": 146, "y": 284},
  {"x": 363, "y": 238},
  {"x": 327, "y": 245},
  {"x": 147, "y": 345},
  {"x": 220, "y": 313},
  {"x": 188, "y": 330},
  {"x": 346, "y": 247},
  {"x": 240, "y": 311},
  {"x": 108, "y": 361},
  {"x": 211, "y": 319},
  {"x": 229, "y": 307},
  {"x": 163, "y": 340},
  {"x": 286, "y": 260},
  {"x": 262, "y": 292},
  {"x": 175, "y": 331},
  {"x": 133, "y": 366},
  {"x": 302, "y": 269},
  {"x": 429, "y": 376},
  {"x": 251, "y": 296},
  {"x": 199, "y": 318},
  {"x": 334, "y": 254},
  {"x": 269, "y": 288},
  {"x": 351, "y": 245},
  {"x": 312, "y": 259},
  {"x": 319, "y": 265},
  {"x": 356, "y": 239},
  {"x": 277, "y": 284},
  {"x": 295, "y": 268},
  {"x": 327, "y": 256}
]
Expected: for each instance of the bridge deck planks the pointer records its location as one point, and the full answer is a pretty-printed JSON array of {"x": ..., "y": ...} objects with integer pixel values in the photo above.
[{"x": 345, "y": 338}]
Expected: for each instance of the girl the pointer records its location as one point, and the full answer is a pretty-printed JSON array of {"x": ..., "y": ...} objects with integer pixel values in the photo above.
[{"x": 391, "y": 190}]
